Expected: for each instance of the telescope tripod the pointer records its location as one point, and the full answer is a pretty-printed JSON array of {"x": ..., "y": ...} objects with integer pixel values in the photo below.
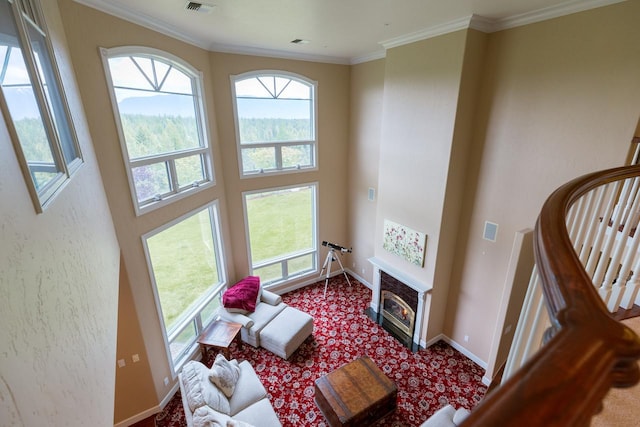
[{"x": 331, "y": 256}]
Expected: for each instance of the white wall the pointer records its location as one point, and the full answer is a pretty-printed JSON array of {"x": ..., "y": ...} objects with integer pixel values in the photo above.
[
  {"x": 421, "y": 88},
  {"x": 367, "y": 90},
  {"x": 559, "y": 99},
  {"x": 58, "y": 288}
]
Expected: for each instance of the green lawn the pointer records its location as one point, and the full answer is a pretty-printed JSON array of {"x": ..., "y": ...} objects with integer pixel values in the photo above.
[
  {"x": 279, "y": 223},
  {"x": 183, "y": 263},
  {"x": 183, "y": 259}
]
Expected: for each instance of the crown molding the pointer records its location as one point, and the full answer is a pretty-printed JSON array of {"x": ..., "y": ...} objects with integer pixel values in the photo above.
[
  {"x": 481, "y": 23},
  {"x": 427, "y": 33},
  {"x": 272, "y": 53},
  {"x": 488, "y": 25},
  {"x": 381, "y": 54},
  {"x": 167, "y": 29},
  {"x": 476, "y": 22},
  {"x": 567, "y": 8},
  {"x": 142, "y": 20}
]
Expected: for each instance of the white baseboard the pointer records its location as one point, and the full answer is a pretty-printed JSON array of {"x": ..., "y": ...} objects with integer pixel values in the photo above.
[
  {"x": 432, "y": 341},
  {"x": 464, "y": 351},
  {"x": 292, "y": 287},
  {"x": 486, "y": 380},
  {"x": 314, "y": 279},
  {"x": 170, "y": 395},
  {"x": 151, "y": 411},
  {"x": 359, "y": 278},
  {"x": 139, "y": 417}
]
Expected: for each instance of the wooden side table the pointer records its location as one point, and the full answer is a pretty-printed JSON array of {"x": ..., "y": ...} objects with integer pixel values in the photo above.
[{"x": 220, "y": 334}]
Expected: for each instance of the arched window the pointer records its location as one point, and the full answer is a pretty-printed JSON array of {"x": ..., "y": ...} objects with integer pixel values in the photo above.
[
  {"x": 275, "y": 116},
  {"x": 157, "y": 99}
]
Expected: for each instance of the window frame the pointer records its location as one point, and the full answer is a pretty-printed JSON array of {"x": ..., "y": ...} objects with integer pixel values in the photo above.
[
  {"x": 176, "y": 192},
  {"x": 28, "y": 14},
  {"x": 193, "y": 317},
  {"x": 283, "y": 260},
  {"x": 278, "y": 145}
]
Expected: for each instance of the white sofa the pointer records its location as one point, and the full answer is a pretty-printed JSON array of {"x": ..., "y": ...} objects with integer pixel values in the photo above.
[
  {"x": 207, "y": 406},
  {"x": 447, "y": 416},
  {"x": 273, "y": 325}
]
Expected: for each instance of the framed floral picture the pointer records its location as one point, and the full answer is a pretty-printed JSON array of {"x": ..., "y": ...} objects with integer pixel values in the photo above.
[{"x": 404, "y": 242}]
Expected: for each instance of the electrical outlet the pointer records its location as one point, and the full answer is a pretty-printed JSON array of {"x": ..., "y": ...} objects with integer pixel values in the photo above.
[
  {"x": 135, "y": 358},
  {"x": 166, "y": 381},
  {"x": 121, "y": 363},
  {"x": 466, "y": 338}
]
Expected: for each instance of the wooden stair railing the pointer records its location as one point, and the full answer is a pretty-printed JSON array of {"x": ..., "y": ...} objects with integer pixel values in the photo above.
[{"x": 586, "y": 352}]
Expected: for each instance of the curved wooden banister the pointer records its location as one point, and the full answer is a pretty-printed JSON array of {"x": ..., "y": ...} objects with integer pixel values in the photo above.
[{"x": 587, "y": 351}]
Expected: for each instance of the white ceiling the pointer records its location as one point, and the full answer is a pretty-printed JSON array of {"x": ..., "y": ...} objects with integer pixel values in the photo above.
[{"x": 337, "y": 31}]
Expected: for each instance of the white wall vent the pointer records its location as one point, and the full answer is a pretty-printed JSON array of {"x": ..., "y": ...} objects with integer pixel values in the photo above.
[{"x": 199, "y": 7}]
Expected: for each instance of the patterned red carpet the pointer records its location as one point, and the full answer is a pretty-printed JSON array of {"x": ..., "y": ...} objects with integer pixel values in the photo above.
[{"x": 426, "y": 380}]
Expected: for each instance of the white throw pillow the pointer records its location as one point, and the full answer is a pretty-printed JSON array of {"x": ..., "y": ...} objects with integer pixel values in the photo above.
[
  {"x": 200, "y": 392},
  {"x": 204, "y": 416},
  {"x": 225, "y": 374}
]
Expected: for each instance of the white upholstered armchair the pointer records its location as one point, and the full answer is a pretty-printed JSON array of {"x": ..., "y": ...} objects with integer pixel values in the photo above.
[{"x": 269, "y": 323}]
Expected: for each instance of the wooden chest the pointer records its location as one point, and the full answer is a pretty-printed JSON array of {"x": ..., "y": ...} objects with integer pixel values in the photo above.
[{"x": 356, "y": 394}]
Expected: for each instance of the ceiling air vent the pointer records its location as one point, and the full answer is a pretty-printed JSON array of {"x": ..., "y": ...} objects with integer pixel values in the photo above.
[{"x": 199, "y": 7}]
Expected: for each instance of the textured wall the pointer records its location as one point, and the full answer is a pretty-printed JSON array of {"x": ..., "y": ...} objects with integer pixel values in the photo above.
[
  {"x": 58, "y": 288},
  {"x": 87, "y": 30}
]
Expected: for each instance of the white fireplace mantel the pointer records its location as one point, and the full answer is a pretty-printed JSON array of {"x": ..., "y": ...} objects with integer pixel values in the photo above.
[
  {"x": 404, "y": 278},
  {"x": 418, "y": 286}
]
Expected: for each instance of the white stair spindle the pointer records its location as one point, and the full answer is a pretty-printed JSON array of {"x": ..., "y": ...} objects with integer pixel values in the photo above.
[
  {"x": 592, "y": 228},
  {"x": 533, "y": 321},
  {"x": 594, "y": 257},
  {"x": 629, "y": 247},
  {"x": 606, "y": 261}
]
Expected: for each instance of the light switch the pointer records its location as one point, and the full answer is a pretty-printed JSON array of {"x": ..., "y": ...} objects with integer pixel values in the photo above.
[{"x": 121, "y": 363}]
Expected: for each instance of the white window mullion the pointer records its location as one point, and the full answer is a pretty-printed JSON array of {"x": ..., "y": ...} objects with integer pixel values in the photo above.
[
  {"x": 278, "y": 149},
  {"x": 173, "y": 176}
]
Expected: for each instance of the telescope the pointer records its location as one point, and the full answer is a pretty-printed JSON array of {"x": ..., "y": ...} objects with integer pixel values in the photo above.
[
  {"x": 329, "y": 260},
  {"x": 336, "y": 247}
]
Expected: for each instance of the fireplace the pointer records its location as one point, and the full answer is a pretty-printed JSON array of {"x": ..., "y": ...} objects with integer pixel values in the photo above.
[
  {"x": 397, "y": 303},
  {"x": 397, "y": 311}
]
